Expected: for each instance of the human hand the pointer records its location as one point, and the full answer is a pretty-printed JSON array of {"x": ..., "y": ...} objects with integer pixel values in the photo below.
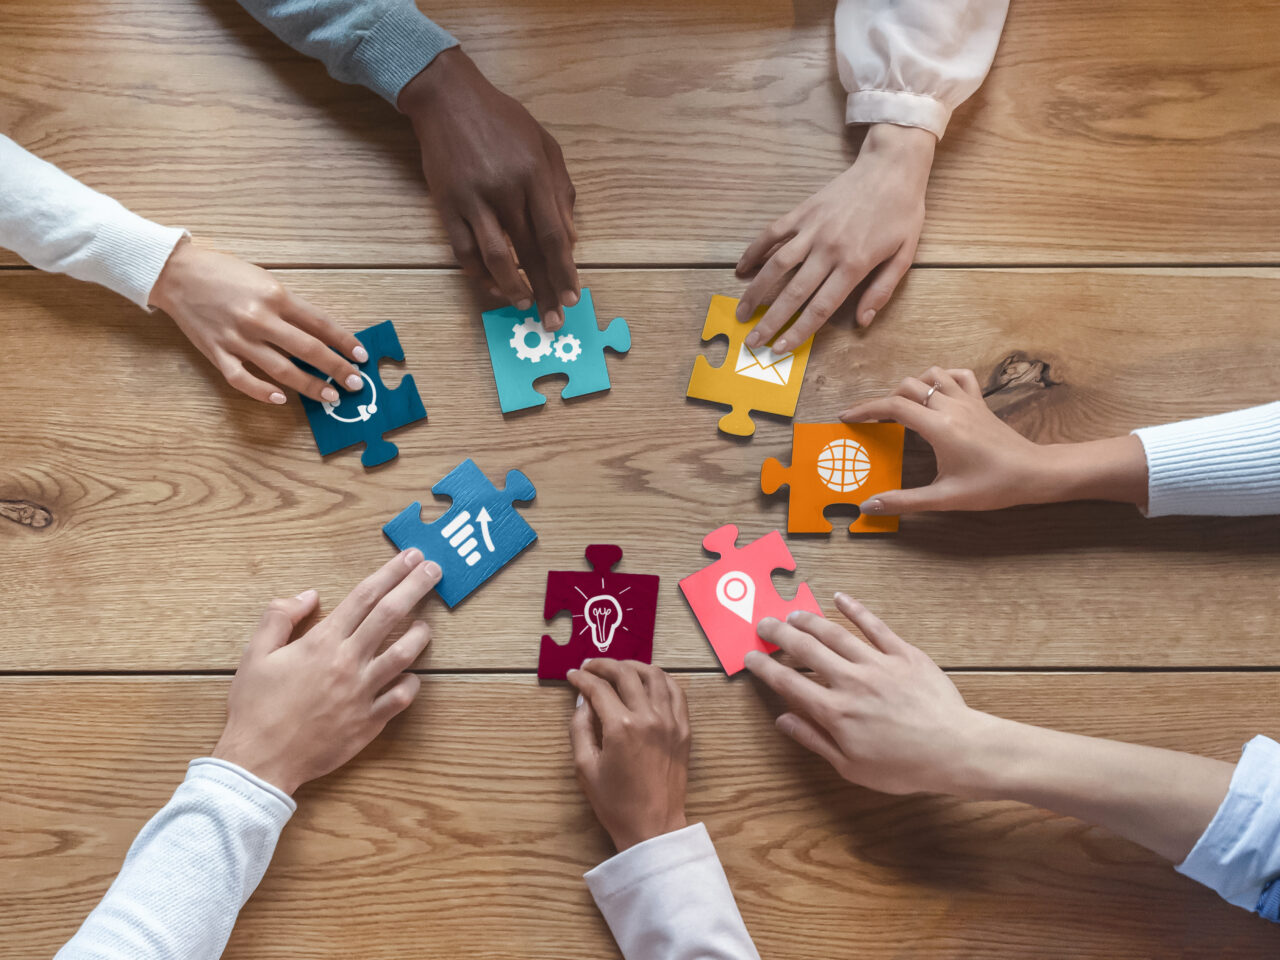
[
  {"x": 238, "y": 314},
  {"x": 630, "y": 737},
  {"x": 863, "y": 225},
  {"x": 499, "y": 181},
  {"x": 888, "y": 718},
  {"x": 299, "y": 710},
  {"x": 984, "y": 464}
]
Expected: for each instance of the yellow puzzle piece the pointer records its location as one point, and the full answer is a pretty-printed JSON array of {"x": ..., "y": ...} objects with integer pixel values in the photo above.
[{"x": 748, "y": 379}]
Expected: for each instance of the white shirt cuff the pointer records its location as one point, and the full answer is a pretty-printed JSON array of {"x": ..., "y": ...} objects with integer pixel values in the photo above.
[{"x": 900, "y": 107}]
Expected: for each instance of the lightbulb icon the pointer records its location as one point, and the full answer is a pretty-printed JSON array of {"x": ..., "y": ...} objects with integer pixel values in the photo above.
[{"x": 603, "y": 614}]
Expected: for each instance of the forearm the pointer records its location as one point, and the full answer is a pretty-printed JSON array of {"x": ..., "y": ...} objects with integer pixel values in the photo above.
[
  {"x": 56, "y": 223},
  {"x": 189, "y": 871},
  {"x": 1112, "y": 469},
  {"x": 1161, "y": 799},
  {"x": 379, "y": 44}
]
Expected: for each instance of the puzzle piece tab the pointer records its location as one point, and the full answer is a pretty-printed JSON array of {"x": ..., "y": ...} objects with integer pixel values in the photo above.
[
  {"x": 365, "y": 416},
  {"x": 522, "y": 351},
  {"x": 748, "y": 379},
  {"x": 837, "y": 463},
  {"x": 478, "y": 535},
  {"x": 736, "y": 592},
  {"x": 613, "y": 614}
]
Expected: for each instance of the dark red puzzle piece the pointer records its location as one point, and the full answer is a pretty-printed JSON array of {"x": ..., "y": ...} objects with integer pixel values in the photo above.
[{"x": 613, "y": 613}]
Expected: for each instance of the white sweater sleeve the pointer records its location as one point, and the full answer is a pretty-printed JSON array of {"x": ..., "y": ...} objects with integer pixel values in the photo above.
[
  {"x": 1223, "y": 466},
  {"x": 56, "y": 223},
  {"x": 668, "y": 899},
  {"x": 189, "y": 871},
  {"x": 912, "y": 62},
  {"x": 1238, "y": 855}
]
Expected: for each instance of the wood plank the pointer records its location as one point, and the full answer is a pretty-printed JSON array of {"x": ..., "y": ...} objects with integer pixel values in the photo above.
[
  {"x": 179, "y": 507},
  {"x": 1138, "y": 132},
  {"x": 444, "y": 840}
]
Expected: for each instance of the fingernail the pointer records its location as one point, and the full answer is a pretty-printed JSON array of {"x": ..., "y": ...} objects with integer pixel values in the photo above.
[
  {"x": 354, "y": 382},
  {"x": 794, "y": 615},
  {"x": 740, "y": 311},
  {"x": 361, "y": 354},
  {"x": 767, "y": 620},
  {"x": 568, "y": 298},
  {"x": 329, "y": 394},
  {"x": 839, "y": 595},
  {"x": 276, "y": 398},
  {"x": 872, "y": 506},
  {"x": 524, "y": 304},
  {"x": 306, "y": 595},
  {"x": 753, "y": 340},
  {"x": 779, "y": 346},
  {"x": 550, "y": 317},
  {"x": 746, "y": 661},
  {"x": 581, "y": 700},
  {"x": 494, "y": 292},
  {"x": 412, "y": 557},
  {"x": 867, "y": 316},
  {"x": 785, "y": 723},
  {"x": 433, "y": 569}
]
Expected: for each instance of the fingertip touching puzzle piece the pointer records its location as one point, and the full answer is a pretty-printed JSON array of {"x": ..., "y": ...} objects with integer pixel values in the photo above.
[
  {"x": 837, "y": 463},
  {"x": 523, "y": 351},
  {"x": 477, "y": 536},
  {"x": 736, "y": 592},
  {"x": 749, "y": 379},
  {"x": 612, "y": 613},
  {"x": 365, "y": 416}
]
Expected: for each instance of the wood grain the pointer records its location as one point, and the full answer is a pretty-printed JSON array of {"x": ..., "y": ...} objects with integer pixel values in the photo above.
[
  {"x": 178, "y": 507},
  {"x": 1139, "y": 132},
  {"x": 443, "y": 840}
]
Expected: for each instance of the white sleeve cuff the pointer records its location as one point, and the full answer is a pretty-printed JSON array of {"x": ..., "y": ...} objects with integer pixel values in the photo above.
[
  {"x": 1239, "y": 852},
  {"x": 668, "y": 899},
  {"x": 277, "y": 805},
  {"x": 1226, "y": 465},
  {"x": 130, "y": 252},
  {"x": 900, "y": 107}
]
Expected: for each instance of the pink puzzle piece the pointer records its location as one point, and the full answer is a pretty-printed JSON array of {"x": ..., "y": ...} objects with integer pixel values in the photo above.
[
  {"x": 736, "y": 592},
  {"x": 613, "y": 614}
]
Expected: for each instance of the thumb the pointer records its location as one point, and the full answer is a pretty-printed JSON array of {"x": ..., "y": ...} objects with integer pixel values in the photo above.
[
  {"x": 894, "y": 502},
  {"x": 276, "y": 627},
  {"x": 582, "y": 735}
]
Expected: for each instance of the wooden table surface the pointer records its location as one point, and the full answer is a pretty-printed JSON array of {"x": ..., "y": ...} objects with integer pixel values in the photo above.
[{"x": 1102, "y": 248}]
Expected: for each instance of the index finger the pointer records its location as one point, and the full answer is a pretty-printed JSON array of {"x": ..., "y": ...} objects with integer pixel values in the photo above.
[
  {"x": 394, "y": 607},
  {"x": 555, "y": 241},
  {"x": 599, "y": 693},
  {"x": 307, "y": 316},
  {"x": 355, "y": 607},
  {"x": 911, "y": 415},
  {"x": 624, "y": 676}
]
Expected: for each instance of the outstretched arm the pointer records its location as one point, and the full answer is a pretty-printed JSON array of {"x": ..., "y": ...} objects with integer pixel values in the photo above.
[
  {"x": 886, "y": 717},
  {"x": 297, "y": 710},
  {"x": 1224, "y": 465}
]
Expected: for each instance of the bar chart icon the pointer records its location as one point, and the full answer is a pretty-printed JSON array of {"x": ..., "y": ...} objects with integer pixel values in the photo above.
[{"x": 460, "y": 533}]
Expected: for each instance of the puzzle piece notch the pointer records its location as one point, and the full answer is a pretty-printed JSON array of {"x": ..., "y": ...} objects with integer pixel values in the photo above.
[
  {"x": 612, "y": 613},
  {"x": 837, "y": 463},
  {"x": 477, "y": 536},
  {"x": 730, "y": 596},
  {"x": 576, "y": 350},
  {"x": 772, "y": 383},
  {"x": 366, "y": 416}
]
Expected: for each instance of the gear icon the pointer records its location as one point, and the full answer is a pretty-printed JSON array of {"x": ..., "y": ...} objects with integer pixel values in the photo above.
[
  {"x": 520, "y": 340},
  {"x": 568, "y": 348}
]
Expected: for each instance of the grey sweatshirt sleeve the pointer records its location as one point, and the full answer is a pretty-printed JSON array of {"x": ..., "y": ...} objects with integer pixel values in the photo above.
[{"x": 380, "y": 44}]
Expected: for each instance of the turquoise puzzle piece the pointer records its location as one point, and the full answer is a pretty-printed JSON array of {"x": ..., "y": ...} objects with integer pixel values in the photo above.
[
  {"x": 523, "y": 351},
  {"x": 364, "y": 416},
  {"x": 477, "y": 536}
]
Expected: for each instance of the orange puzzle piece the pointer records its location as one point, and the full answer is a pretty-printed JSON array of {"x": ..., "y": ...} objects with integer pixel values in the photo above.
[
  {"x": 837, "y": 463},
  {"x": 748, "y": 379}
]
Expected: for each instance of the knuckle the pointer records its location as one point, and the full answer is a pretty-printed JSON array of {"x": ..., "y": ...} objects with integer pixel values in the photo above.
[{"x": 366, "y": 594}]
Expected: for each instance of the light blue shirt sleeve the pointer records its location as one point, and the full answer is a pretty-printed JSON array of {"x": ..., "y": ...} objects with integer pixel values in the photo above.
[
  {"x": 1238, "y": 855},
  {"x": 379, "y": 44}
]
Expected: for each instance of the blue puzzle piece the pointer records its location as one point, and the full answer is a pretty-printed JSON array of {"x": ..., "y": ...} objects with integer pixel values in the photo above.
[
  {"x": 365, "y": 416},
  {"x": 478, "y": 535},
  {"x": 522, "y": 351}
]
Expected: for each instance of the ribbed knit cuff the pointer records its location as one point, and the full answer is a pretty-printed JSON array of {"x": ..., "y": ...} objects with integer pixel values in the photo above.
[
  {"x": 1223, "y": 466},
  {"x": 900, "y": 107},
  {"x": 129, "y": 252},
  {"x": 396, "y": 49}
]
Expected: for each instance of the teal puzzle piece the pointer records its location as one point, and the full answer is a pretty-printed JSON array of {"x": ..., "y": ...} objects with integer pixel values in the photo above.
[
  {"x": 523, "y": 351},
  {"x": 477, "y": 536}
]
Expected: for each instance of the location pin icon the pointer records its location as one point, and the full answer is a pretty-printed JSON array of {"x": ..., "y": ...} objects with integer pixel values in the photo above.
[{"x": 737, "y": 593}]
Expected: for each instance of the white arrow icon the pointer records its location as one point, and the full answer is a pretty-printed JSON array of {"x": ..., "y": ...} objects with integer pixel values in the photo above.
[{"x": 484, "y": 520}]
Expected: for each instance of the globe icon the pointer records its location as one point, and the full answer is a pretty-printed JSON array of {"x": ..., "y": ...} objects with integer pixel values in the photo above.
[{"x": 843, "y": 465}]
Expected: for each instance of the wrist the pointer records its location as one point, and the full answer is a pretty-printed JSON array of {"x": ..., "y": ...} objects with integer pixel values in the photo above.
[
  {"x": 988, "y": 758},
  {"x": 1113, "y": 469},
  {"x": 420, "y": 97},
  {"x": 911, "y": 146},
  {"x": 164, "y": 290},
  {"x": 631, "y": 835},
  {"x": 262, "y": 766}
]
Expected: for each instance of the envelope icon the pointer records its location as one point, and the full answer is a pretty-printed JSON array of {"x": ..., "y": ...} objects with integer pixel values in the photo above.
[{"x": 763, "y": 364}]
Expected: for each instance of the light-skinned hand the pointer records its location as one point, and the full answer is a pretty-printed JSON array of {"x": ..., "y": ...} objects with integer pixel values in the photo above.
[
  {"x": 499, "y": 181},
  {"x": 862, "y": 226},
  {"x": 984, "y": 464},
  {"x": 299, "y": 709},
  {"x": 630, "y": 737},
  {"x": 877, "y": 709},
  {"x": 243, "y": 319}
]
